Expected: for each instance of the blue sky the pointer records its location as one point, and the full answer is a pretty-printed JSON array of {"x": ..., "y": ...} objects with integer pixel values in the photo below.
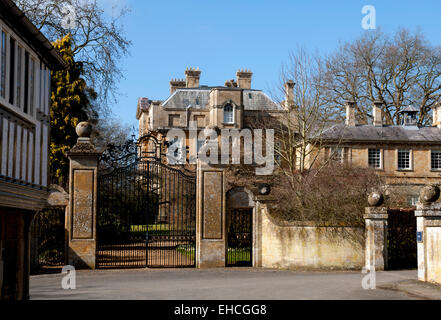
[{"x": 220, "y": 37}]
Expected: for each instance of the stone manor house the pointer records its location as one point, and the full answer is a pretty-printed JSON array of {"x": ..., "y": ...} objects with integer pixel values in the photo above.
[
  {"x": 232, "y": 106},
  {"x": 406, "y": 156}
]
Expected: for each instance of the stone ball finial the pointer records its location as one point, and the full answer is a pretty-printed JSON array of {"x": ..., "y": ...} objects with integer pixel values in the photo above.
[
  {"x": 429, "y": 194},
  {"x": 84, "y": 129},
  {"x": 264, "y": 189},
  {"x": 375, "y": 199}
]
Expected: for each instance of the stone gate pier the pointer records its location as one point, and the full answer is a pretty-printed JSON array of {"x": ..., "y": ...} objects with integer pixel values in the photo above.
[
  {"x": 428, "y": 215},
  {"x": 82, "y": 208},
  {"x": 210, "y": 216},
  {"x": 376, "y": 233}
]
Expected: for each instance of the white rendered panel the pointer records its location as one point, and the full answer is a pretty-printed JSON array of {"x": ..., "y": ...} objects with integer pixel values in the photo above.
[
  {"x": 30, "y": 156},
  {"x": 11, "y": 148},
  {"x": 37, "y": 154},
  {"x": 44, "y": 158},
  {"x": 4, "y": 146},
  {"x": 24, "y": 155},
  {"x": 18, "y": 153}
]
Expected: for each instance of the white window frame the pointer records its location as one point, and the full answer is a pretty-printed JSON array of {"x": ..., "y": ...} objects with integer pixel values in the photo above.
[
  {"x": 431, "y": 159},
  {"x": 410, "y": 160},
  {"x": 233, "y": 109},
  {"x": 413, "y": 200},
  {"x": 30, "y": 116},
  {"x": 333, "y": 154},
  {"x": 381, "y": 159}
]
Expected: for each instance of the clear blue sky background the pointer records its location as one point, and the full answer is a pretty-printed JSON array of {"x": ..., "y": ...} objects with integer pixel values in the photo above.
[{"x": 220, "y": 37}]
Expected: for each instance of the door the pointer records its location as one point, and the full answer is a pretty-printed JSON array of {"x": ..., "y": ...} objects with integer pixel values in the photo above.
[
  {"x": 240, "y": 238},
  {"x": 401, "y": 240}
]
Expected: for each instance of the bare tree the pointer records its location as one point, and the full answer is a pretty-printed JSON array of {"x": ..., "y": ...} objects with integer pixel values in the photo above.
[
  {"x": 399, "y": 70},
  {"x": 110, "y": 131},
  {"x": 299, "y": 132},
  {"x": 98, "y": 40}
]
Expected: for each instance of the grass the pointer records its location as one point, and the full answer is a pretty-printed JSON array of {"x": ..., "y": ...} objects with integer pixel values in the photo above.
[
  {"x": 152, "y": 227},
  {"x": 233, "y": 255},
  {"x": 187, "y": 249},
  {"x": 238, "y": 255},
  {"x": 158, "y": 229}
]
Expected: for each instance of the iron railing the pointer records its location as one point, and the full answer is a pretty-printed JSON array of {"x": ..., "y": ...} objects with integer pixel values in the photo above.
[
  {"x": 239, "y": 250},
  {"x": 146, "y": 211}
]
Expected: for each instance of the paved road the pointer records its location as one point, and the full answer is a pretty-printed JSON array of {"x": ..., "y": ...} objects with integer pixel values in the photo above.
[{"x": 219, "y": 284}]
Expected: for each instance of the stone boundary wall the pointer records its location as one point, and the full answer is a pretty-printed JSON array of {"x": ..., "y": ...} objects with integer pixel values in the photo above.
[{"x": 297, "y": 245}]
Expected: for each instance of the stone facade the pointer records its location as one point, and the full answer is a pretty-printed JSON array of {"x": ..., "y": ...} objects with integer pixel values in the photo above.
[
  {"x": 82, "y": 208},
  {"x": 354, "y": 143},
  {"x": 376, "y": 238},
  {"x": 210, "y": 217},
  {"x": 206, "y": 106},
  {"x": 302, "y": 245}
]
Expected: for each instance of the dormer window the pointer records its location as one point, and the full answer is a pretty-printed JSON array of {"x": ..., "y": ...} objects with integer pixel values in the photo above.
[
  {"x": 409, "y": 116},
  {"x": 228, "y": 114}
]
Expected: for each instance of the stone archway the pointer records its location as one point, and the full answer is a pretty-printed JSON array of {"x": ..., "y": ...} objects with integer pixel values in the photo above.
[{"x": 239, "y": 198}]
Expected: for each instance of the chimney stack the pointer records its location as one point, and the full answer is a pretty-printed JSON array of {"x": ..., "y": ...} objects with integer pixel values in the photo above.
[
  {"x": 350, "y": 113},
  {"x": 377, "y": 113},
  {"x": 192, "y": 77},
  {"x": 176, "y": 84},
  {"x": 289, "y": 94},
  {"x": 437, "y": 115},
  {"x": 244, "y": 78}
]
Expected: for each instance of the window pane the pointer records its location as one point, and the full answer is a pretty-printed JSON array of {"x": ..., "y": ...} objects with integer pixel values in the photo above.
[
  {"x": 40, "y": 93},
  {"x": 228, "y": 113},
  {"x": 26, "y": 83},
  {"x": 3, "y": 65},
  {"x": 12, "y": 71},
  {"x": 436, "y": 159},
  {"x": 32, "y": 86},
  {"x": 18, "y": 84},
  {"x": 374, "y": 158},
  {"x": 337, "y": 154},
  {"x": 403, "y": 159}
]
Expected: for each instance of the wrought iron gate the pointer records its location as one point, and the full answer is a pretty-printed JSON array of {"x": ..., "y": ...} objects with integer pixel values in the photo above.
[
  {"x": 401, "y": 240},
  {"x": 240, "y": 240},
  {"x": 48, "y": 241},
  {"x": 146, "y": 209}
]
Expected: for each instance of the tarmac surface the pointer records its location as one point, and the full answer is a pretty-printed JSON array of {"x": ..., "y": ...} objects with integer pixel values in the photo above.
[{"x": 230, "y": 284}]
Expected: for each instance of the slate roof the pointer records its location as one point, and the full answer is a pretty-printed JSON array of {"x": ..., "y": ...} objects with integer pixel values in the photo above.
[
  {"x": 383, "y": 134},
  {"x": 410, "y": 109},
  {"x": 199, "y": 97}
]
